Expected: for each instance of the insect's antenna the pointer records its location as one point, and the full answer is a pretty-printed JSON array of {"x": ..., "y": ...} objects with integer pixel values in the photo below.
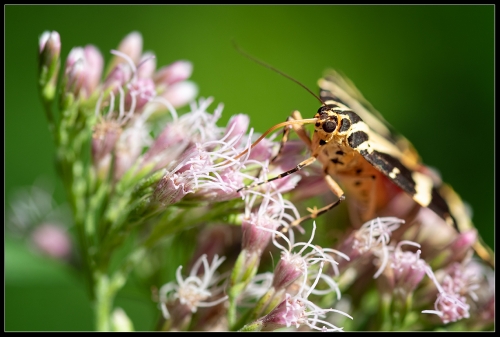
[
  {"x": 262, "y": 63},
  {"x": 277, "y": 126}
]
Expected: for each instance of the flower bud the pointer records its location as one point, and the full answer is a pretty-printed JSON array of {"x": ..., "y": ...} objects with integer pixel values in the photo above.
[
  {"x": 49, "y": 62},
  {"x": 288, "y": 270},
  {"x": 117, "y": 78},
  {"x": 104, "y": 138},
  {"x": 262, "y": 151},
  {"x": 237, "y": 127},
  {"x": 141, "y": 91},
  {"x": 176, "y": 72},
  {"x": 129, "y": 148},
  {"x": 180, "y": 94},
  {"x": 460, "y": 247},
  {"x": 172, "y": 188},
  {"x": 255, "y": 239},
  {"x": 49, "y": 47},
  {"x": 83, "y": 71},
  {"x": 147, "y": 65},
  {"x": 74, "y": 70},
  {"x": 93, "y": 68},
  {"x": 131, "y": 45}
]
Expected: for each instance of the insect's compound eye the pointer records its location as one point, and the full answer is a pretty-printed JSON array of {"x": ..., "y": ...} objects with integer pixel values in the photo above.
[{"x": 329, "y": 126}]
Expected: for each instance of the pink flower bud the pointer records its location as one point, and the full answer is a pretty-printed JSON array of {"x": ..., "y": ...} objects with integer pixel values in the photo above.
[
  {"x": 167, "y": 147},
  {"x": 141, "y": 91},
  {"x": 181, "y": 93},
  {"x": 171, "y": 189},
  {"x": 288, "y": 270},
  {"x": 49, "y": 62},
  {"x": 104, "y": 138},
  {"x": 262, "y": 151},
  {"x": 74, "y": 71},
  {"x": 93, "y": 68},
  {"x": 52, "y": 240},
  {"x": 461, "y": 245},
  {"x": 254, "y": 238},
  {"x": 237, "y": 127},
  {"x": 176, "y": 72},
  {"x": 147, "y": 65},
  {"x": 49, "y": 46},
  {"x": 132, "y": 46},
  {"x": 288, "y": 313},
  {"x": 118, "y": 77},
  {"x": 129, "y": 148},
  {"x": 83, "y": 70}
]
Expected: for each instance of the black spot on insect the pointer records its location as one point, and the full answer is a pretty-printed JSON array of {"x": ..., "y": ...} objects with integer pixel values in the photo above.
[
  {"x": 318, "y": 124},
  {"x": 352, "y": 116},
  {"x": 357, "y": 183},
  {"x": 373, "y": 177},
  {"x": 357, "y": 138},
  {"x": 345, "y": 124},
  {"x": 358, "y": 171},
  {"x": 329, "y": 126},
  {"x": 340, "y": 152},
  {"x": 337, "y": 161},
  {"x": 322, "y": 142}
]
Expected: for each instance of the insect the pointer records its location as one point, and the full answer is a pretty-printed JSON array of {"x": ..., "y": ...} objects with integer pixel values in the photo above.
[{"x": 373, "y": 163}]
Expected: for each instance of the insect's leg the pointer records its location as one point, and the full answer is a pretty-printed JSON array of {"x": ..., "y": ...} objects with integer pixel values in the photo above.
[
  {"x": 303, "y": 164},
  {"x": 314, "y": 212},
  {"x": 284, "y": 139},
  {"x": 299, "y": 129}
]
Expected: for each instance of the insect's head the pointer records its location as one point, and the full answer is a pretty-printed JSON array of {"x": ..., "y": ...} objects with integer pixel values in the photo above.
[{"x": 327, "y": 120}]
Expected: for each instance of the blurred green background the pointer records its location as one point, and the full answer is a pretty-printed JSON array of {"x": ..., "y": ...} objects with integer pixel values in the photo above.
[{"x": 428, "y": 69}]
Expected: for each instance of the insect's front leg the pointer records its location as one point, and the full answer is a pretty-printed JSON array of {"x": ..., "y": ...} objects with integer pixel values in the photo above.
[
  {"x": 300, "y": 166},
  {"x": 299, "y": 130},
  {"x": 314, "y": 212}
]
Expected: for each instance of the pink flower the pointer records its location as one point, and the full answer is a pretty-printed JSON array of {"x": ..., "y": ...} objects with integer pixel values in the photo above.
[
  {"x": 449, "y": 306},
  {"x": 297, "y": 311},
  {"x": 194, "y": 290}
]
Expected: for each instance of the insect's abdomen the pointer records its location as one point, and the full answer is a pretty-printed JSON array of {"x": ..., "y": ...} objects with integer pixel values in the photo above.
[{"x": 368, "y": 190}]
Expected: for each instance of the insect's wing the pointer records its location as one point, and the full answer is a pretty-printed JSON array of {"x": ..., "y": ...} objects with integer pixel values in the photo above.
[
  {"x": 386, "y": 157},
  {"x": 334, "y": 86}
]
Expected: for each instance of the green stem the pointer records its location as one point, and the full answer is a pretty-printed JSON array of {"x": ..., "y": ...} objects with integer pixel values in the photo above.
[
  {"x": 106, "y": 290},
  {"x": 103, "y": 303}
]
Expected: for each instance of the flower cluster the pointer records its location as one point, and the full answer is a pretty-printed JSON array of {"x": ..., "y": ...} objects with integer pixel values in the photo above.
[{"x": 154, "y": 184}]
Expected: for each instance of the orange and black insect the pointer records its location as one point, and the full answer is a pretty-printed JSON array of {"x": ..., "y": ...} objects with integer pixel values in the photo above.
[{"x": 373, "y": 163}]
